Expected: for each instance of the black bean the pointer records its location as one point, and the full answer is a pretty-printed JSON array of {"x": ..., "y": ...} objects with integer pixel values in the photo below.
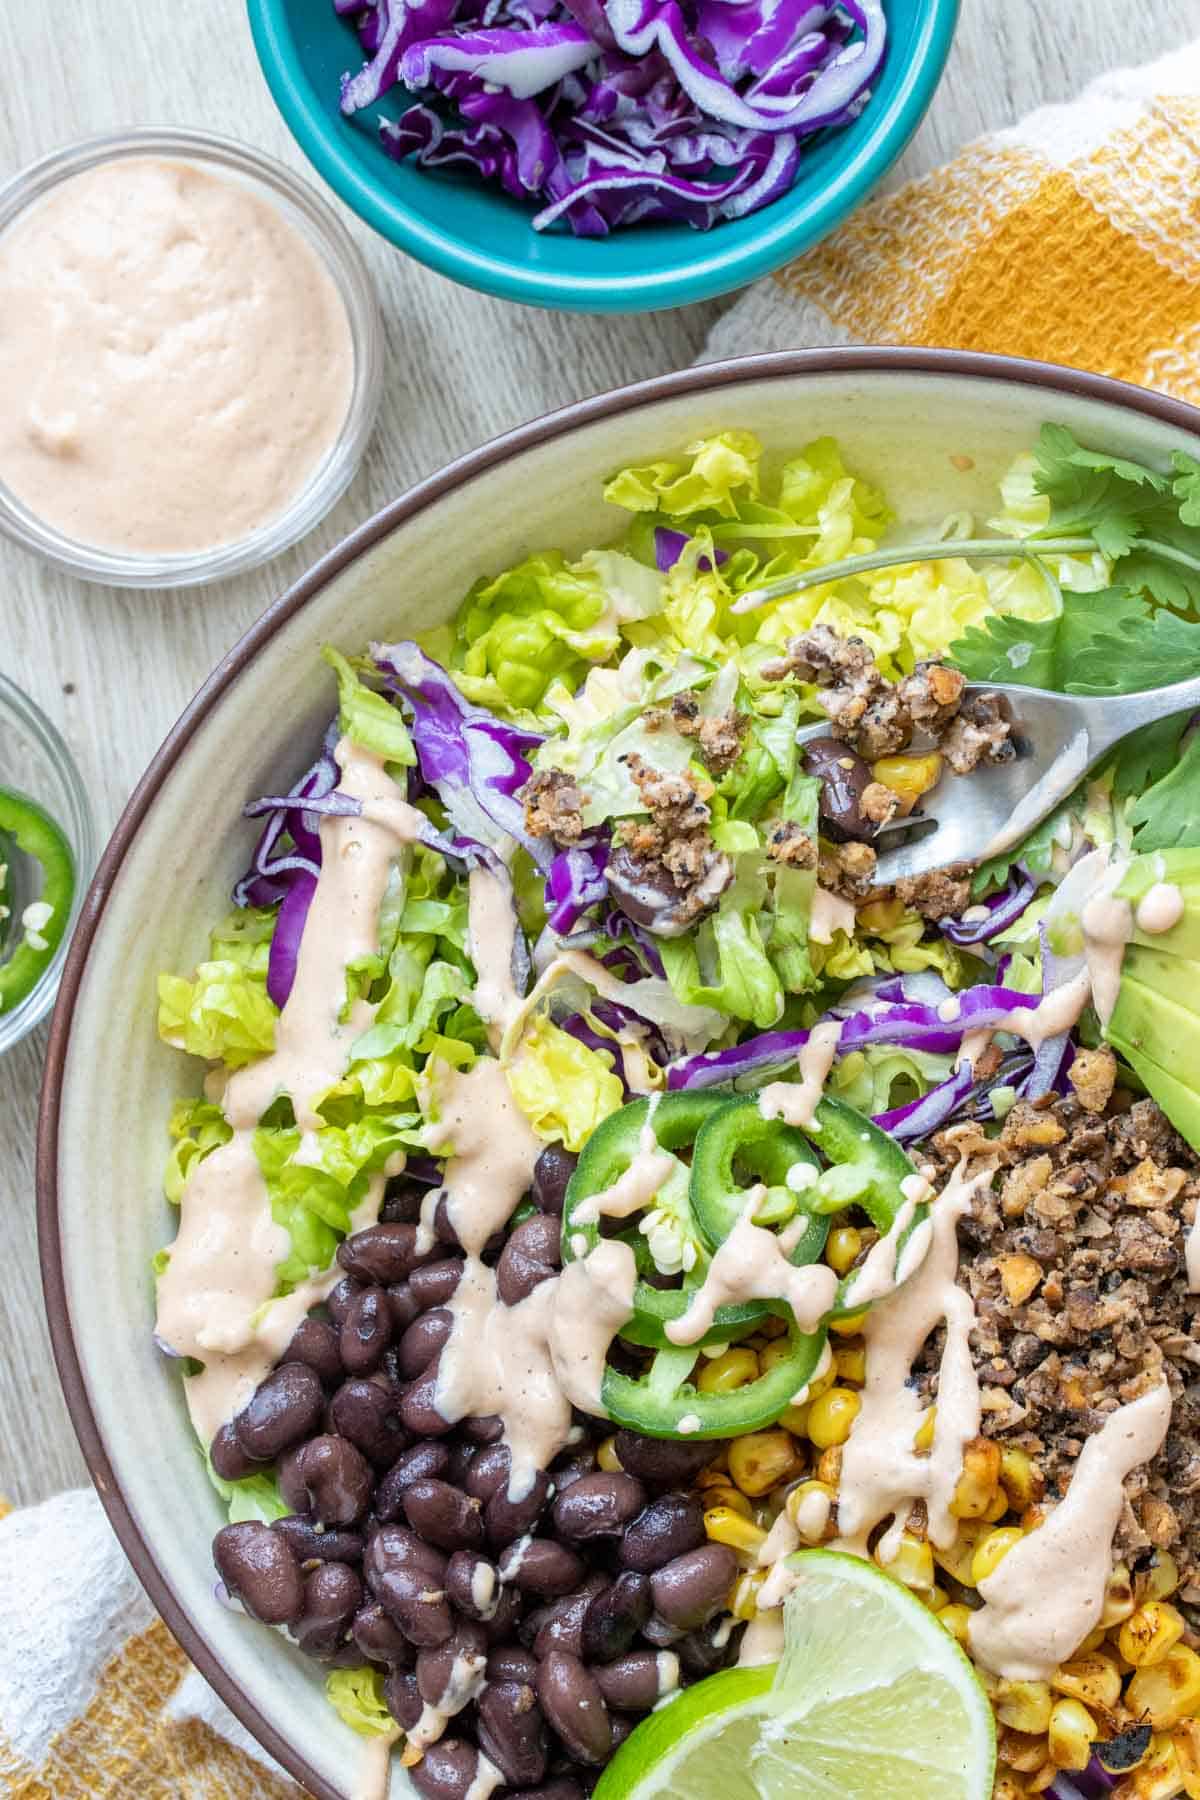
[
  {"x": 507, "y": 1520},
  {"x": 622, "y": 1725},
  {"x": 418, "y": 1406},
  {"x": 510, "y": 1663},
  {"x": 648, "y": 896},
  {"x": 403, "y": 1305},
  {"x": 423, "y": 1341},
  {"x": 689, "y": 1590},
  {"x": 422, "y": 1462},
  {"x": 843, "y": 776},
  {"x": 366, "y": 1331},
  {"x": 559, "y": 1626},
  {"x": 435, "y": 1283},
  {"x": 472, "y": 1584},
  {"x": 613, "y": 1620},
  {"x": 444, "y": 1516},
  {"x": 447, "y": 1770},
  {"x": 638, "y": 1680},
  {"x": 569, "y": 1469},
  {"x": 407, "y": 1577},
  {"x": 379, "y": 1638},
  {"x": 666, "y": 1527},
  {"x": 403, "y": 1700},
  {"x": 381, "y": 1254},
  {"x": 530, "y": 1257},
  {"x": 313, "y": 1544},
  {"x": 337, "y": 1302},
  {"x": 259, "y": 1569},
  {"x": 451, "y": 1675},
  {"x": 402, "y": 1203},
  {"x": 705, "y": 1650},
  {"x": 658, "y": 1632},
  {"x": 502, "y": 1625},
  {"x": 443, "y": 1230},
  {"x": 664, "y": 1462},
  {"x": 488, "y": 1471},
  {"x": 328, "y": 1478},
  {"x": 598, "y": 1505},
  {"x": 315, "y": 1342},
  {"x": 462, "y": 1455},
  {"x": 485, "y": 1429},
  {"x": 367, "y": 1411},
  {"x": 228, "y": 1457},
  {"x": 551, "y": 1173},
  {"x": 542, "y": 1567},
  {"x": 574, "y": 1706},
  {"x": 284, "y": 1408},
  {"x": 512, "y": 1732},
  {"x": 332, "y": 1595}
]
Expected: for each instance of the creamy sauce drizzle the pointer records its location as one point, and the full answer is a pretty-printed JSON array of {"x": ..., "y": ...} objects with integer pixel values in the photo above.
[
  {"x": 762, "y": 1640},
  {"x": 1159, "y": 909},
  {"x": 881, "y": 1474},
  {"x": 593, "y": 1299},
  {"x": 632, "y": 1190},
  {"x": 1048, "y": 1593},
  {"x": 1107, "y": 925},
  {"x": 878, "y": 1272},
  {"x": 175, "y": 362},
  {"x": 751, "y": 1265},
  {"x": 374, "y": 1770},
  {"x": 491, "y": 929},
  {"x": 494, "y": 1150},
  {"x": 796, "y": 1102},
  {"x": 221, "y": 1268}
]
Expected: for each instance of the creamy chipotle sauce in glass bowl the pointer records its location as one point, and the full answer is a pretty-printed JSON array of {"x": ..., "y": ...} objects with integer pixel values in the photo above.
[{"x": 189, "y": 353}]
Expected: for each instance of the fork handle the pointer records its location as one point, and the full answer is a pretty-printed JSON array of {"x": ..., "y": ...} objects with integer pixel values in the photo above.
[{"x": 1108, "y": 719}]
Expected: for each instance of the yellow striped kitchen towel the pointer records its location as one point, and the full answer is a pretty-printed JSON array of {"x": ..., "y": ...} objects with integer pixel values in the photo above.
[{"x": 1073, "y": 237}]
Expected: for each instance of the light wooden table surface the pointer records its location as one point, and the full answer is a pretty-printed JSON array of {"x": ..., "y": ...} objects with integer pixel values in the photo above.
[{"x": 114, "y": 669}]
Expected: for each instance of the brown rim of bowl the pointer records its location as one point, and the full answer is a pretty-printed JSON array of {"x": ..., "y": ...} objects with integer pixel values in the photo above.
[{"x": 779, "y": 367}]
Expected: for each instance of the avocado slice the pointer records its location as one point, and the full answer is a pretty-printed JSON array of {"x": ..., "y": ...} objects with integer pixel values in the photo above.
[{"x": 1182, "y": 869}]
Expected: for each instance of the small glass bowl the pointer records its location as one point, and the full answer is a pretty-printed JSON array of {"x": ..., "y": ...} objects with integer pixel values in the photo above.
[
  {"x": 319, "y": 224},
  {"x": 34, "y": 761}
]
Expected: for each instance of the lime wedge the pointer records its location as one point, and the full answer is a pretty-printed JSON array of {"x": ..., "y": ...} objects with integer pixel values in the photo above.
[{"x": 872, "y": 1701}]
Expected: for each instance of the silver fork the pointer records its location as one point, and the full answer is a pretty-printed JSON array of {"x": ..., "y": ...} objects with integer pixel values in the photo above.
[{"x": 1058, "y": 738}]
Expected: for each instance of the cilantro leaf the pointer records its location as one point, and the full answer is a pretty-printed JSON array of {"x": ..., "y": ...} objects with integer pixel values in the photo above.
[
  {"x": 1110, "y": 642},
  {"x": 1081, "y": 484},
  {"x": 1145, "y": 756},
  {"x": 1168, "y": 814},
  {"x": 1186, "y": 487}
]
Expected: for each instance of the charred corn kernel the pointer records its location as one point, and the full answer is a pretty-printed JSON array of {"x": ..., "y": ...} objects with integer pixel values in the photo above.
[
  {"x": 957, "y": 1559},
  {"x": 1070, "y": 1734},
  {"x": 912, "y": 1564},
  {"x": 997, "y": 1510},
  {"x": 799, "y": 1507},
  {"x": 848, "y": 1327},
  {"x": 829, "y": 1465},
  {"x": 724, "y": 1526},
  {"x": 1157, "y": 1778},
  {"x": 1042, "y": 1778},
  {"x": 851, "y": 1365},
  {"x": 992, "y": 1550},
  {"x": 1005, "y": 1788},
  {"x": 923, "y": 1437},
  {"x": 841, "y": 1248},
  {"x": 1021, "y": 1480},
  {"x": 723, "y": 1493},
  {"x": 1160, "y": 1580},
  {"x": 980, "y": 1476},
  {"x": 831, "y": 1416},
  {"x": 955, "y": 1618},
  {"x": 731, "y": 1370},
  {"x": 881, "y": 915},
  {"x": 1186, "y": 1741},
  {"x": 909, "y": 776},
  {"x": 1095, "y": 1680},
  {"x": 743, "y": 1598},
  {"x": 1150, "y": 1633},
  {"x": 795, "y": 1420},
  {"x": 760, "y": 1460},
  {"x": 936, "y": 1598},
  {"x": 1168, "y": 1690},
  {"x": 607, "y": 1458},
  {"x": 1093, "y": 1641},
  {"x": 1025, "y": 1705},
  {"x": 774, "y": 1354},
  {"x": 1118, "y": 1596},
  {"x": 1021, "y": 1751}
]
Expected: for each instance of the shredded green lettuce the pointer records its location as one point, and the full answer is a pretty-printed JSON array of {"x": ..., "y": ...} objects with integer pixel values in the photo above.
[
  {"x": 563, "y": 1087},
  {"x": 356, "y": 1696},
  {"x": 368, "y": 718},
  {"x": 257, "y": 1498}
]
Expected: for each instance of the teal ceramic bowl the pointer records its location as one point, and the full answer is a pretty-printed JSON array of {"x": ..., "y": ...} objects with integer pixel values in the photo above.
[{"x": 484, "y": 239}]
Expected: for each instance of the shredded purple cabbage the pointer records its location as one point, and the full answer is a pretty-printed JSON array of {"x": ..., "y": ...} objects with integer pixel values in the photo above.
[
  {"x": 669, "y": 546},
  {"x": 610, "y": 112},
  {"x": 997, "y": 914},
  {"x": 574, "y": 884}
]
